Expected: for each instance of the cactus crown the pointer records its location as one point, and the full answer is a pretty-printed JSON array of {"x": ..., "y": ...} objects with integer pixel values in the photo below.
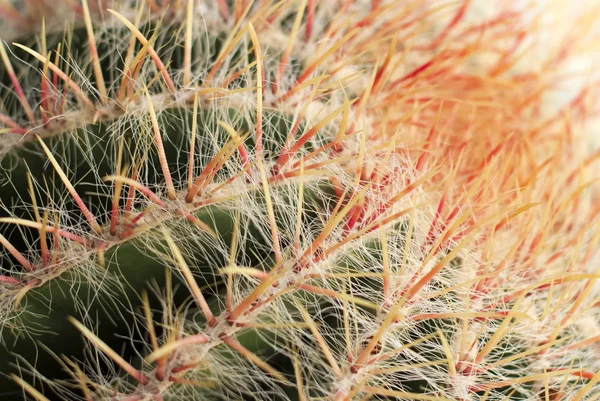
[{"x": 337, "y": 200}]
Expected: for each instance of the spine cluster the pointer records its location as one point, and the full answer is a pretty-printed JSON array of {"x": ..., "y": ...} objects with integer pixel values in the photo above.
[{"x": 295, "y": 200}]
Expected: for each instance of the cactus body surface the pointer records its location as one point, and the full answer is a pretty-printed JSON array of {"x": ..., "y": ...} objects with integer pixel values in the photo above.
[{"x": 294, "y": 200}]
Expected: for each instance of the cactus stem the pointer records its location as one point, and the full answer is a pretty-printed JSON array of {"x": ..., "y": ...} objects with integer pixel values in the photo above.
[
  {"x": 273, "y": 277},
  {"x": 70, "y": 83},
  {"x": 140, "y": 36},
  {"x": 86, "y": 212},
  {"x": 101, "y": 345}
]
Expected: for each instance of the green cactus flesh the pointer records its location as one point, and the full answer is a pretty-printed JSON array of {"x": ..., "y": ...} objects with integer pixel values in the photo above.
[
  {"x": 104, "y": 285},
  {"x": 132, "y": 262}
]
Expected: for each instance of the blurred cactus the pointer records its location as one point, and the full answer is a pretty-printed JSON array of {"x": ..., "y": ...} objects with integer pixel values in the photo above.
[{"x": 296, "y": 200}]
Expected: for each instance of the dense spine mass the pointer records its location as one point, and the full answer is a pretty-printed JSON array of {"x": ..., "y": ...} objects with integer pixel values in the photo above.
[{"x": 295, "y": 200}]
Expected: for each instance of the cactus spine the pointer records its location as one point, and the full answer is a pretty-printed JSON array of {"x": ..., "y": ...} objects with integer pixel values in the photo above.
[{"x": 296, "y": 200}]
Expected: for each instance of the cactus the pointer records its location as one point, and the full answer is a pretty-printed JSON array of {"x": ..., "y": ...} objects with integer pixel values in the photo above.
[{"x": 296, "y": 200}]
